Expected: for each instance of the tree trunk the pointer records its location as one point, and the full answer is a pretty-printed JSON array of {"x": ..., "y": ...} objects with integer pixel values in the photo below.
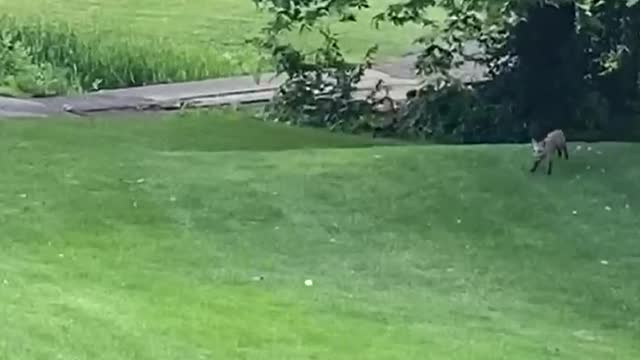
[{"x": 550, "y": 67}]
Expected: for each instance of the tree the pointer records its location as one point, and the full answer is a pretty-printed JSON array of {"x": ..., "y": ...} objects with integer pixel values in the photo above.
[
  {"x": 550, "y": 62},
  {"x": 614, "y": 30}
]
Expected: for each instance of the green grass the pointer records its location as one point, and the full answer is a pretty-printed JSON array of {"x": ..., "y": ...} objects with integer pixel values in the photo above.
[
  {"x": 140, "y": 240},
  {"x": 127, "y": 42},
  {"x": 219, "y": 24}
]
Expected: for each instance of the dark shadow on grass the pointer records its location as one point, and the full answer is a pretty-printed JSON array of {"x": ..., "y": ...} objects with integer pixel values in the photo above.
[{"x": 200, "y": 131}]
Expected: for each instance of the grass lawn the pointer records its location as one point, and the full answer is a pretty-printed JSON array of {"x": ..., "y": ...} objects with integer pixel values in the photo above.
[
  {"x": 143, "y": 239},
  {"x": 121, "y": 43},
  {"x": 217, "y": 26}
]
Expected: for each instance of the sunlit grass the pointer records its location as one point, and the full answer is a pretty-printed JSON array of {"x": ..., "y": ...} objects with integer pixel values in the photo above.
[{"x": 192, "y": 236}]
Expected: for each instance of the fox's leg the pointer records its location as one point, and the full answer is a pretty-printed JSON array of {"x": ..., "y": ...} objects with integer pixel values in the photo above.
[
  {"x": 549, "y": 166},
  {"x": 559, "y": 152},
  {"x": 535, "y": 165},
  {"x": 566, "y": 152}
]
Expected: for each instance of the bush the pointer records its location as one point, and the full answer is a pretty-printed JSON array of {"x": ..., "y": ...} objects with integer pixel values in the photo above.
[
  {"x": 458, "y": 113},
  {"x": 486, "y": 113},
  {"x": 21, "y": 73}
]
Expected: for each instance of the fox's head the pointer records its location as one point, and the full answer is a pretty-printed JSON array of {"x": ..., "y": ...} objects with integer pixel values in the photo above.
[{"x": 538, "y": 148}]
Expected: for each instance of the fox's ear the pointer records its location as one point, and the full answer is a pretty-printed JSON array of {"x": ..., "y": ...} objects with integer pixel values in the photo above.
[{"x": 533, "y": 142}]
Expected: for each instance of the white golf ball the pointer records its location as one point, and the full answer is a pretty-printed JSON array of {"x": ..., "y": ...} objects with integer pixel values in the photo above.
[{"x": 308, "y": 282}]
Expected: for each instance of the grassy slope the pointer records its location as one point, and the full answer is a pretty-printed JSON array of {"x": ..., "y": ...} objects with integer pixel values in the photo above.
[
  {"x": 437, "y": 253},
  {"x": 218, "y": 26}
]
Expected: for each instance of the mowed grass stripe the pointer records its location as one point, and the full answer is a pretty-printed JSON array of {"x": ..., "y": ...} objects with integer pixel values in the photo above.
[{"x": 142, "y": 239}]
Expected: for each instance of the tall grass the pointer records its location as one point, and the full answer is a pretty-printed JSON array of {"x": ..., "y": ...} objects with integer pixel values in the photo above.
[
  {"x": 21, "y": 73},
  {"x": 97, "y": 59},
  {"x": 114, "y": 43}
]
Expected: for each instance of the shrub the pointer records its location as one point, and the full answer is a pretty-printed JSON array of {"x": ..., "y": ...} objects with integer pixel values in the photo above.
[
  {"x": 458, "y": 113},
  {"x": 319, "y": 88},
  {"x": 21, "y": 73}
]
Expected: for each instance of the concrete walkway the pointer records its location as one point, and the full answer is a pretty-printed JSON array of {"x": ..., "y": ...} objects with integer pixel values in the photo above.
[
  {"x": 10, "y": 107},
  {"x": 398, "y": 75},
  {"x": 206, "y": 93}
]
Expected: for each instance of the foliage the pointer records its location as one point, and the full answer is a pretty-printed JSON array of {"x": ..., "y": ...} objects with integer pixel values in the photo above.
[
  {"x": 584, "y": 82},
  {"x": 320, "y": 84},
  {"x": 613, "y": 28},
  {"x": 21, "y": 71},
  {"x": 455, "y": 112},
  {"x": 548, "y": 63}
]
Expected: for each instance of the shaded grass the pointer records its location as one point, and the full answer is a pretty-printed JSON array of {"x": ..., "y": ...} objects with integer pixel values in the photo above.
[
  {"x": 140, "y": 240},
  {"x": 197, "y": 131}
]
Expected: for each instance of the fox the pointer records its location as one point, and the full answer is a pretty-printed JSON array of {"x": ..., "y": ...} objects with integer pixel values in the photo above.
[{"x": 555, "y": 141}]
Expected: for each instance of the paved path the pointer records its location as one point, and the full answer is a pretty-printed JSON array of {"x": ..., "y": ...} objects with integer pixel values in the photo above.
[
  {"x": 10, "y": 107},
  {"x": 399, "y": 75},
  {"x": 403, "y": 67},
  {"x": 215, "y": 92}
]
